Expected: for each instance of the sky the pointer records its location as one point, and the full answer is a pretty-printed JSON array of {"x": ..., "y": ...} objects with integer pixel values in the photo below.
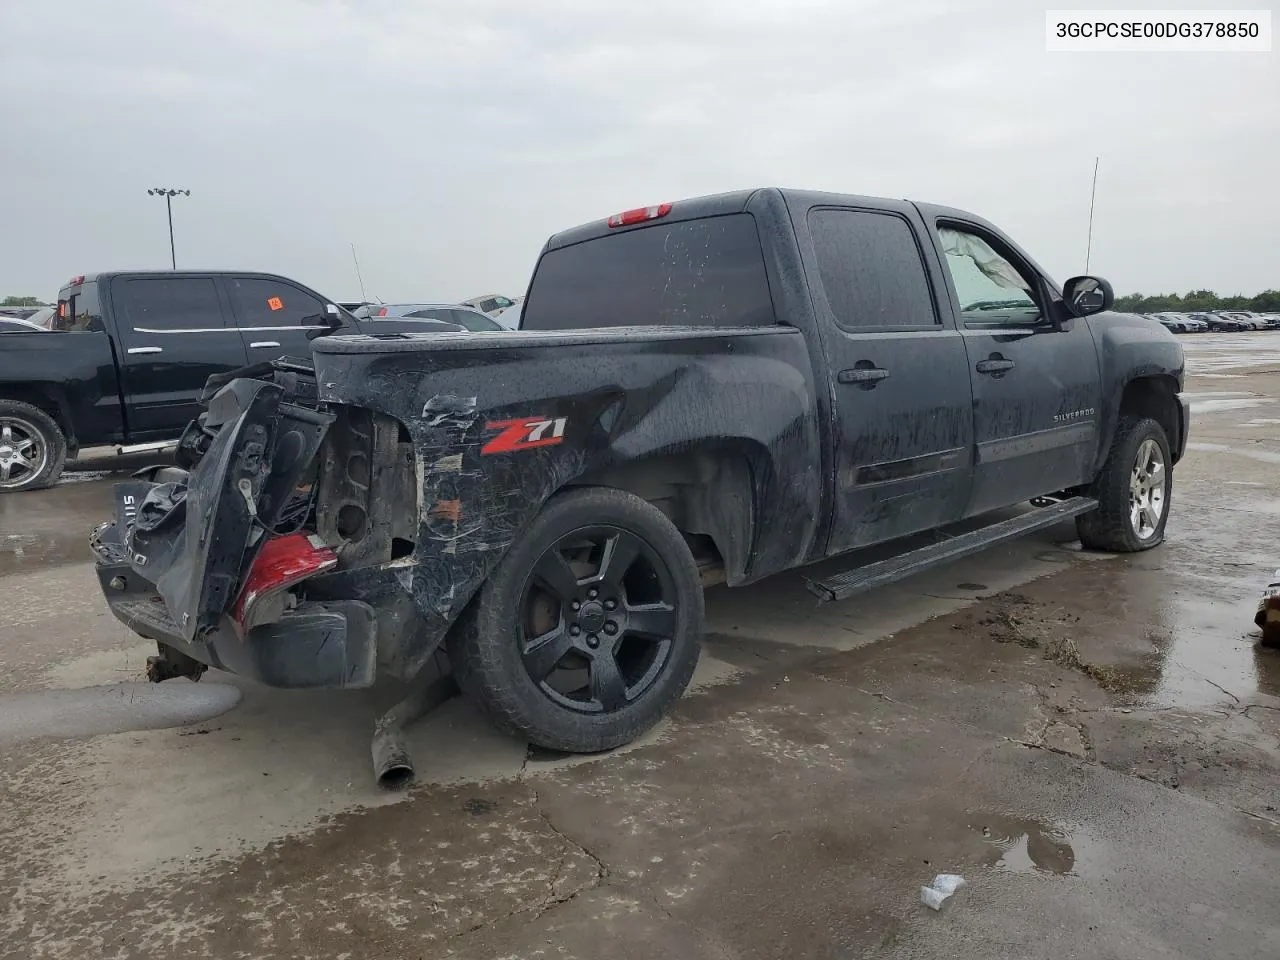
[{"x": 447, "y": 139}]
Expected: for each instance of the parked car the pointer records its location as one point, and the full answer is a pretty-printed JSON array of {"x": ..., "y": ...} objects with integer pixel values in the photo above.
[
  {"x": 18, "y": 313},
  {"x": 130, "y": 354},
  {"x": 17, "y": 325},
  {"x": 490, "y": 303},
  {"x": 509, "y": 318},
  {"x": 43, "y": 317},
  {"x": 1218, "y": 322},
  {"x": 545, "y": 505},
  {"x": 462, "y": 317},
  {"x": 1254, "y": 320}
]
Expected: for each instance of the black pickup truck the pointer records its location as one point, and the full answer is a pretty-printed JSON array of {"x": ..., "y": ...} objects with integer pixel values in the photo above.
[
  {"x": 717, "y": 389},
  {"x": 127, "y": 355}
]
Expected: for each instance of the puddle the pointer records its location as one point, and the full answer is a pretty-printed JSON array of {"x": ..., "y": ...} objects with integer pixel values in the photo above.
[
  {"x": 20, "y": 551},
  {"x": 1028, "y": 846},
  {"x": 1210, "y": 401},
  {"x": 1206, "y": 643},
  {"x": 1210, "y": 354},
  {"x": 82, "y": 476},
  {"x": 1225, "y": 404},
  {"x": 1264, "y": 456},
  {"x": 112, "y": 708}
]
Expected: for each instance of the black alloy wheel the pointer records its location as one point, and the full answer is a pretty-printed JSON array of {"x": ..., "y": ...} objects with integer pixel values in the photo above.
[{"x": 589, "y": 628}]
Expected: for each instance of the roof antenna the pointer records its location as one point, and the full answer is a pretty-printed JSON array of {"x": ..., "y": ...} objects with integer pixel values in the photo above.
[
  {"x": 1092, "y": 193},
  {"x": 359, "y": 278}
]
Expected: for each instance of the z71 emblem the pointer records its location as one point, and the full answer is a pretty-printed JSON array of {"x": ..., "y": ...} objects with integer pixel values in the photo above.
[{"x": 524, "y": 434}]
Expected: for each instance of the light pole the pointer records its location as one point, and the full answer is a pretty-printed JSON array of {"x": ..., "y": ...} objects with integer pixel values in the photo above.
[{"x": 169, "y": 193}]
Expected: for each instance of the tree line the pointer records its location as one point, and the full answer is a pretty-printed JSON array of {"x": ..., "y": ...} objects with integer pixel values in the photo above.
[{"x": 1198, "y": 301}]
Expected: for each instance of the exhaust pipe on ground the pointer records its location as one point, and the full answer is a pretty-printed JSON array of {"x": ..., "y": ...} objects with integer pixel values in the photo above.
[{"x": 392, "y": 764}]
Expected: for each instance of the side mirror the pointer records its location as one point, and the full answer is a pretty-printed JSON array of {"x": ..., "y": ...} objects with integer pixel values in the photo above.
[{"x": 1085, "y": 296}]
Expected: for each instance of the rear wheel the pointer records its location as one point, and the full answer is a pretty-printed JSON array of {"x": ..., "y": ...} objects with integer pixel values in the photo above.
[
  {"x": 32, "y": 447},
  {"x": 1133, "y": 490},
  {"x": 589, "y": 629}
]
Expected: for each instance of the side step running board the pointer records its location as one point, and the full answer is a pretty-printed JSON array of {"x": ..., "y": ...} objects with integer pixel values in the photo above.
[{"x": 873, "y": 575}]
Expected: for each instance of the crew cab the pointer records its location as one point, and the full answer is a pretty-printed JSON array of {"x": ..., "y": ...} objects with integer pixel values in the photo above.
[
  {"x": 130, "y": 354},
  {"x": 718, "y": 389}
]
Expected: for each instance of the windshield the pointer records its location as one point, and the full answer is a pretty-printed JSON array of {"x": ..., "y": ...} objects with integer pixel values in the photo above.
[{"x": 475, "y": 322}]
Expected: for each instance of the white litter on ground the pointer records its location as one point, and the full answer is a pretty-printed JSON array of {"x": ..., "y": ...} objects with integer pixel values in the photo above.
[{"x": 943, "y": 886}]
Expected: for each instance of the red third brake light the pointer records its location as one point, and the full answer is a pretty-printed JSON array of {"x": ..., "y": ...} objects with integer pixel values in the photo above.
[
  {"x": 382, "y": 312},
  {"x": 639, "y": 215},
  {"x": 282, "y": 562},
  {"x": 76, "y": 281}
]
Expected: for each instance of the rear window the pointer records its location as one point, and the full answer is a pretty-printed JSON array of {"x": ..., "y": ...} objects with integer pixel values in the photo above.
[
  {"x": 78, "y": 309},
  {"x": 156, "y": 304},
  {"x": 702, "y": 273}
]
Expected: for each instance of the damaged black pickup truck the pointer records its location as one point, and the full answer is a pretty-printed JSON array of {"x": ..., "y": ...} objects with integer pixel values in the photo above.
[{"x": 717, "y": 389}]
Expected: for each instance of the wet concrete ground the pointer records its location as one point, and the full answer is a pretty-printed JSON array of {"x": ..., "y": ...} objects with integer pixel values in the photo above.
[{"x": 1092, "y": 742}]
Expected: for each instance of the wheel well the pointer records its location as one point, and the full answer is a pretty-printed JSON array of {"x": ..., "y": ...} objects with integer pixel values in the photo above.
[
  {"x": 706, "y": 494},
  {"x": 1157, "y": 398},
  {"x": 42, "y": 401}
]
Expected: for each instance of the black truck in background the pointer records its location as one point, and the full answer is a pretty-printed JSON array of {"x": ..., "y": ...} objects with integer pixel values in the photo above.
[
  {"x": 717, "y": 389},
  {"x": 128, "y": 354}
]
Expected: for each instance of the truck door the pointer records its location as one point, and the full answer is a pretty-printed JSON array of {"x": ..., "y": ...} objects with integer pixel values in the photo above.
[
  {"x": 277, "y": 318},
  {"x": 174, "y": 336},
  {"x": 903, "y": 428},
  {"x": 1037, "y": 389}
]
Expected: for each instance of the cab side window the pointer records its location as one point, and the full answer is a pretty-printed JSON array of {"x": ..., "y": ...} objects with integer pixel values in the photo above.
[
  {"x": 169, "y": 304},
  {"x": 990, "y": 288},
  {"x": 872, "y": 272},
  {"x": 263, "y": 302}
]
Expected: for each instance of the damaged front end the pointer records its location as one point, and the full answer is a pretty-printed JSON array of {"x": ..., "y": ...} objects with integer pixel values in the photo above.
[{"x": 222, "y": 559}]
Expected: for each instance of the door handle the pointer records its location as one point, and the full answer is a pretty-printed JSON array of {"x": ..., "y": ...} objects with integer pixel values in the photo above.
[
  {"x": 264, "y": 344},
  {"x": 995, "y": 365},
  {"x": 868, "y": 376},
  {"x": 137, "y": 350}
]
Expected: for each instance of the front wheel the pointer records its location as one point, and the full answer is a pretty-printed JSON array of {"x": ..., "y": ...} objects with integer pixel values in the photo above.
[
  {"x": 1133, "y": 490},
  {"x": 589, "y": 628}
]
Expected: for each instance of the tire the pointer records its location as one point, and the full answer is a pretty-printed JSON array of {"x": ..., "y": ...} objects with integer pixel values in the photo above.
[
  {"x": 32, "y": 447},
  {"x": 648, "y": 625},
  {"x": 1116, "y": 526}
]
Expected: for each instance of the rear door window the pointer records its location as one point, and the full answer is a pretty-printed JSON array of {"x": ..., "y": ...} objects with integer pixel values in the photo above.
[
  {"x": 705, "y": 273},
  {"x": 872, "y": 271},
  {"x": 169, "y": 304},
  {"x": 261, "y": 302}
]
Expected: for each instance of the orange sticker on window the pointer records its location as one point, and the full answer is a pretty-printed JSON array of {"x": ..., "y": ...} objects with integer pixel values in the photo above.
[{"x": 275, "y": 303}]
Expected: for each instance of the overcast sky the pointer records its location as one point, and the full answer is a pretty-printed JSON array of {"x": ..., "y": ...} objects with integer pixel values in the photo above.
[{"x": 448, "y": 138}]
